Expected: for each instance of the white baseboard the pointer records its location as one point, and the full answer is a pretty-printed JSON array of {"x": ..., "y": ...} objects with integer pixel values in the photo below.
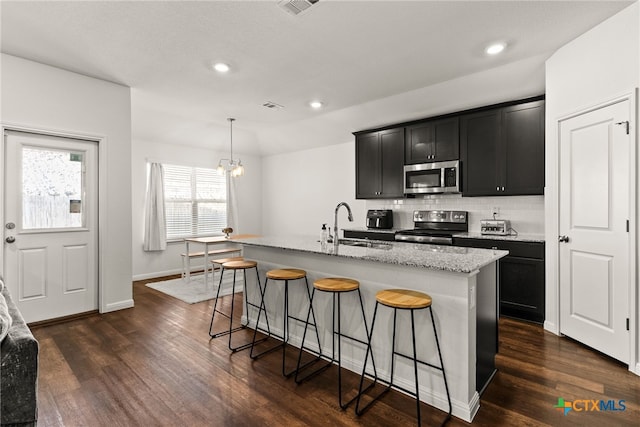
[
  {"x": 155, "y": 274},
  {"x": 115, "y": 306},
  {"x": 551, "y": 327}
]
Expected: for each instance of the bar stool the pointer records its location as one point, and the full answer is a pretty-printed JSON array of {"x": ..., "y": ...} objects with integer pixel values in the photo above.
[
  {"x": 286, "y": 275},
  {"x": 336, "y": 286},
  {"x": 403, "y": 299},
  {"x": 219, "y": 262},
  {"x": 234, "y": 265}
]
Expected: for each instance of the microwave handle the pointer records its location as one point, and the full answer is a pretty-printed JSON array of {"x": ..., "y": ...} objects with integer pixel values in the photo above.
[{"x": 443, "y": 172}]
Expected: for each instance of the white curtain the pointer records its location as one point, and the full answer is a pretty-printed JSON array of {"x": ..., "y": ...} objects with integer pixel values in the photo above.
[
  {"x": 232, "y": 204},
  {"x": 155, "y": 234}
]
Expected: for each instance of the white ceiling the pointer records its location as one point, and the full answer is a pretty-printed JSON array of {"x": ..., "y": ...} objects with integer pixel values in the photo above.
[{"x": 345, "y": 53}]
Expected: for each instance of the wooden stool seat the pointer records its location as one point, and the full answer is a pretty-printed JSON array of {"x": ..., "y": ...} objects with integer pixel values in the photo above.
[
  {"x": 239, "y": 265},
  {"x": 336, "y": 284},
  {"x": 286, "y": 274},
  {"x": 225, "y": 260},
  {"x": 403, "y": 298}
]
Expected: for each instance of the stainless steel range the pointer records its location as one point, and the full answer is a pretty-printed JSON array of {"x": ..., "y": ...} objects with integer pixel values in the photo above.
[{"x": 436, "y": 227}]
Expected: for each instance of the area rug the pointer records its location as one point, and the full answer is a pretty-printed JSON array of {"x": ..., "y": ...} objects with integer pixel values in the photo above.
[{"x": 195, "y": 290}]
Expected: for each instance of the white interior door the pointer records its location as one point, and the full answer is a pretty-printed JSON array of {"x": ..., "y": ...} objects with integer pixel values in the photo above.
[
  {"x": 594, "y": 242},
  {"x": 51, "y": 223}
]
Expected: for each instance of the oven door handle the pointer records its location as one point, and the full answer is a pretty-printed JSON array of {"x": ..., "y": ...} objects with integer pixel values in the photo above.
[{"x": 438, "y": 240}]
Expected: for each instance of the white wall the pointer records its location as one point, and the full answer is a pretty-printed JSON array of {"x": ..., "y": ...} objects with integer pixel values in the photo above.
[
  {"x": 41, "y": 97},
  {"x": 155, "y": 264},
  {"x": 598, "y": 66},
  {"x": 301, "y": 189}
]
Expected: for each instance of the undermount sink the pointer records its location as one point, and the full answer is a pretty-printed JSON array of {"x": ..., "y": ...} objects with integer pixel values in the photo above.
[{"x": 365, "y": 244}]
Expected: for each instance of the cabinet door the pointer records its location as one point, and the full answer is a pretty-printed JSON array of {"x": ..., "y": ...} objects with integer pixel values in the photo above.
[
  {"x": 419, "y": 143},
  {"x": 522, "y": 288},
  {"x": 392, "y": 163},
  {"x": 480, "y": 137},
  {"x": 367, "y": 166},
  {"x": 433, "y": 141},
  {"x": 524, "y": 148},
  {"x": 446, "y": 139}
]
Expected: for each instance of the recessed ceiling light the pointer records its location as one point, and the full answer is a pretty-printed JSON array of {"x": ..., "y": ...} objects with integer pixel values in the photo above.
[
  {"x": 315, "y": 104},
  {"x": 495, "y": 48},
  {"x": 221, "y": 67}
]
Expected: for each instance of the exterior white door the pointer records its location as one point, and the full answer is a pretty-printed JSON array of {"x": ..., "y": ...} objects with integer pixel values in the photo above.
[
  {"x": 594, "y": 239},
  {"x": 51, "y": 222}
]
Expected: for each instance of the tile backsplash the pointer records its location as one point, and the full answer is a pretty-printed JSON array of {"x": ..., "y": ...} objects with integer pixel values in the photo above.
[{"x": 526, "y": 213}]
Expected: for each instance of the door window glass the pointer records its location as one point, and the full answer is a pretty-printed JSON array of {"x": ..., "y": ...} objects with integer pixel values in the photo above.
[{"x": 52, "y": 188}]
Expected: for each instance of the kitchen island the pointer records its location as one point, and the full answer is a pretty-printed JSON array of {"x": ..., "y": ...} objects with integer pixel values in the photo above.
[{"x": 461, "y": 281}]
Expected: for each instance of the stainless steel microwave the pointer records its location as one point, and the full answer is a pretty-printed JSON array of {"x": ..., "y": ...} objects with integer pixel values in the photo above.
[{"x": 437, "y": 177}]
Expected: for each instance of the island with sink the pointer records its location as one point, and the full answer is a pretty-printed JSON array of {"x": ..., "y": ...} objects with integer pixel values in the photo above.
[{"x": 461, "y": 281}]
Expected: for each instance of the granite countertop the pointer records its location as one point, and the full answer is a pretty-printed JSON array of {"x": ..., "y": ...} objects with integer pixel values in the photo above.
[
  {"x": 446, "y": 258},
  {"x": 538, "y": 238}
]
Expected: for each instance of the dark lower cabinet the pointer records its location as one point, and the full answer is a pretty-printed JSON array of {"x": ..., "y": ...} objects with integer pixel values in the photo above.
[
  {"x": 371, "y": 235},
  {"x": 520, "y": 276},
  {"x": 522, "y": 288}
]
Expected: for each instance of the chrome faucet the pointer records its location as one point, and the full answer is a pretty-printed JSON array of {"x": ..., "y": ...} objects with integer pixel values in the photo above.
[{"x": 336, "y": 241}]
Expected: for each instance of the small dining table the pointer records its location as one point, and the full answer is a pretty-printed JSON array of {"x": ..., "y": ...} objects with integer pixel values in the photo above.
[{"x": 206, "y": 241}]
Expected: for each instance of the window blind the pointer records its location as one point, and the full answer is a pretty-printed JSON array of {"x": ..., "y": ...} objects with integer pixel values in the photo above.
[{"x": 195, "y": 201}]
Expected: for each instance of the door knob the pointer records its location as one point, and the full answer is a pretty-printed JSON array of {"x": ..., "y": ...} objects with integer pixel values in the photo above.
[
  {"x": 10, "y": 239},
  {"x": 563, "y": 239}
]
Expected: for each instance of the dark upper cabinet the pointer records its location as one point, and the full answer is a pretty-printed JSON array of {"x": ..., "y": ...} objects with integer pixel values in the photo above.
[
  {"x": 480, "y": 134},
  {"x": 379, "y": 164},
  {"x": 523, "y": 127},
  {"x": 502, "y": 151},
  {"x": 432, "y": 141}
]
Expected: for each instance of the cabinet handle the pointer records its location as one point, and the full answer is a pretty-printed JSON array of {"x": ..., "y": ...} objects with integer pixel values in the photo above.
[
  {"x": 497, "y": 188},
  {"x": 502, "y": 188}
]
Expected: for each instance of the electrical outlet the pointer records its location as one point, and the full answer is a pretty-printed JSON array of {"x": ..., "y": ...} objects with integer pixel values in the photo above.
[{"x": 495, "y": 211}]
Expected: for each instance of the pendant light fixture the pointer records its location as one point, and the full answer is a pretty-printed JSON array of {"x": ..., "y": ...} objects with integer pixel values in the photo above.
[{"x": 234, "y": 167}]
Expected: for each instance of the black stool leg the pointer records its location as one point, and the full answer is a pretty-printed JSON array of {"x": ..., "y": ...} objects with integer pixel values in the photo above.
[
  {"x": 285, "y": 326},
  {"x": 246, "y": 305},
  {"x": 360, "y": 411},
  {"x": 373, "y": 362},
  {"x": 255, "y": 331},
  {"x": 300, "y": 368},
  {"x": 415, "y": 367},
  {"x": 215, "y": 304},
  {"x": 287, "y": 316},
  {"x": 446, "y": 387}
]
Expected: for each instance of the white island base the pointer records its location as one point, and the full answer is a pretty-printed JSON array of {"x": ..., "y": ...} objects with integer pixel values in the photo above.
[{"x": 464, "y": 307}]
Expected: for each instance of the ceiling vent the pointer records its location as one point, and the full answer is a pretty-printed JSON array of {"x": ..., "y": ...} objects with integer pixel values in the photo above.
[
  {"x": 272, "y": 105},
  {"x": 295, "y": 7}
]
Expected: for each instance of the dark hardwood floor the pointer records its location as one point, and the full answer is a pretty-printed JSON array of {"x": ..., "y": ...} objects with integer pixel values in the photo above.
[{"x": 154, "y": 365}]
